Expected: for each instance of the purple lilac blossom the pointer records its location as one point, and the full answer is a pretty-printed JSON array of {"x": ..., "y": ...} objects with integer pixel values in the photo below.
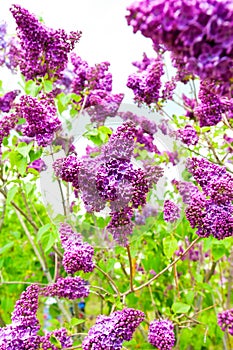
[
  {"x": 188, "y": 135},
  {"x": 94, "y": 84},
  {"x": 112, "y": 180},
  {"x": 121, "y": 143},
  {"x": 6, "y": 101},
  {"x": 161, "y": 334},
  {"x": 225, "y": 321},
  {"x": 68, "y": 287},
  {"x": 186, "y": 189},
  {"x": 78, "y": 255},
  {"x": 209, "y": 217},
  {"x": 171, "y": 211},
  {"x": 214, "y": 180},
  {"x": 12, "y": 54},
  {"x": 121, "y": 226},
  {"x": 146, "y": 83},
  {"x": 145, "y": 130},
  {"x": 164, "y": 127},
  {"x": 38, "y": 165},
  {"x": 22, "y": 332},
  {"x": 199, "y": 36},
  {"x": 41, "y": 119},
  {"x": 44, "y": 51},
  {"x": 168, "y": 90},
  {"x": 60, "y": 335},
  {"x": 212, "y": 107},
  {"x": 7, "y": 123},
  {"x": 109, "y": 332},
  {"x": 189, "y": 105}
]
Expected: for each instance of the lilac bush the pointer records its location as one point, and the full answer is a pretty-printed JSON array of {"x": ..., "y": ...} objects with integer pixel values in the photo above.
[{"x": 145, "y": 223}]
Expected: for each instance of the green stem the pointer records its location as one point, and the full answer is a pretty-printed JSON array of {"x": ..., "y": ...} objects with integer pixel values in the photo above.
[{"x": 164, "y": 270}]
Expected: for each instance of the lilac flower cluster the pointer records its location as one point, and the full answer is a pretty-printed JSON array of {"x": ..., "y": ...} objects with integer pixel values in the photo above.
[
  {"x": 188, "y": 135},
  {"x": 212, "y": 107},
  {"x": 112, "y": 179},
  {"x": 146, "y": 83},
  {"x": 121, "y": 225},
  {"x": 189, "y": 105},
  {"x": 6, "y": 101},
  {"x": 171, "y": 211},
  {"x": 225, "y": 321},
  {"x": 211, "y": 211},
  {"x": 186, "y": 189},
  {"x": 145, "y": 130},
  {"x": 214, "y": 180},
  {"x": 94, "y": 84},
  {"x": 3, "y": 42},
  {"x": 78, "y": 255},
  {"x": 109, "y": 332},
  {"x": 44, "y": 51},
  {"x": 41, "y": 119},
  {"x": 7, "y": 123},
  {"x": 199, "y": 36},
  {"x": 161, "y": 334},
  {"x": 60, "y": 335},
  {"x": 22, "y": 332},
  {"x": 68, "y": 287}
]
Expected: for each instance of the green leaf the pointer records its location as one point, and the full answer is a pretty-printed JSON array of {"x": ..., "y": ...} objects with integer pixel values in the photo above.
[
  {"x": 180, "y": 308},
  {"x": 11, "y": 193},
  {"x": 21, "y": 121},
  {"x": 32, "y": 88},
  {"x": 17, "y": 159},
  {"x": 55, "y": 342},
  {"x": 24, "y": 148},
  {"x": 42, "y": 230},
  {"x": 218, "y": 251},
  {"x": 76, "y": 321},
  {"x": 110, "y": 265},
  {"x": 170, "y": 245},
  {"x": 6, "y": 247},
  {"x": 48, "y": 86},
  {"x": 35, "y": 154},
  {"x": 190, "y": 297}
]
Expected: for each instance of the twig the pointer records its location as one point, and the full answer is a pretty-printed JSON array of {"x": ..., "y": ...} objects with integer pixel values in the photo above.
[
  {"x": 23, "y": 282},
  {"x": 111, "y": 282},
  {"x": 165, "y": 269},
  {"x": 130, "y": 268}
]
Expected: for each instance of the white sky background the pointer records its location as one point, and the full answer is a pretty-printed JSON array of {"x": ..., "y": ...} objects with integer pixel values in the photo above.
[{"x": 106, "y": 35}]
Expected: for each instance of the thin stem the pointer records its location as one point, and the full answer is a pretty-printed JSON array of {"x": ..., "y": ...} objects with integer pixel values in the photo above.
[
  {"x": 43, "y": 264},
  {"x": 111, "y": 282},
  {"x": 55, "y": 266},
  {"x": 176, "y": 280},
  {"x": 30, "y": 238},
  {"x": 23, "y": 282},
  {"x": 60, "y": 186},
  {"x": 130, "y": 268},
  {"x": 20, "y": 211},
  {"x": 165, "y": 269}
]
